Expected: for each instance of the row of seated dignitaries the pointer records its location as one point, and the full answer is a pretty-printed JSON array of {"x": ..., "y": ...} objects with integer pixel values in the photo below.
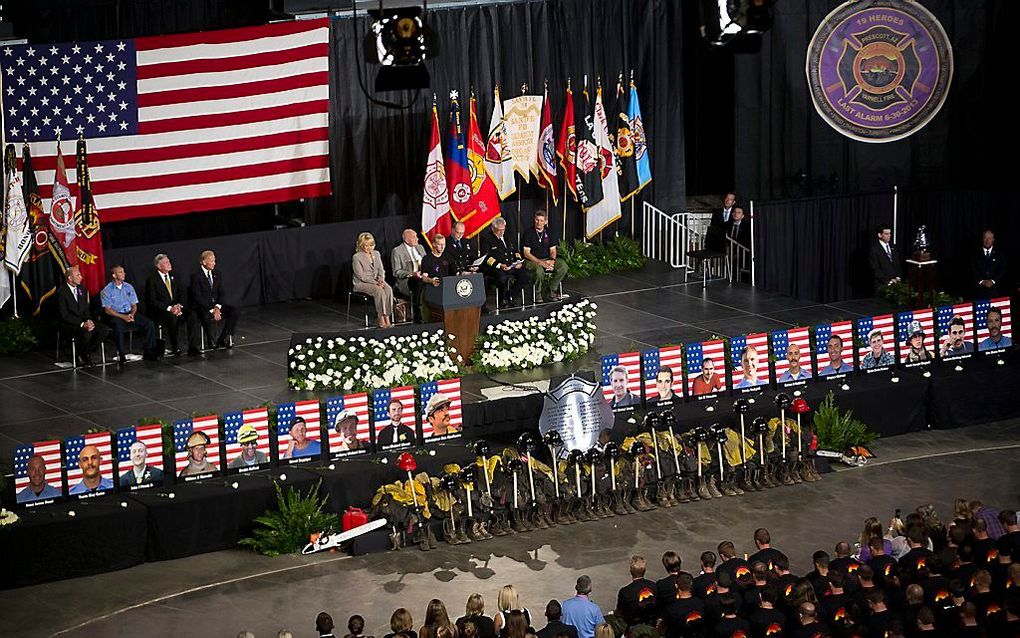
[
  {"x": 511, "y": 271},
  {"x": 167, "y": 303}
]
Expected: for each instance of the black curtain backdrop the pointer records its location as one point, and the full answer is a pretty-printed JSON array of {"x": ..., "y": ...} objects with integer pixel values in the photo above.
[
  {"x": 966, "y": 146},
  {"x": 817, "y": 248}
]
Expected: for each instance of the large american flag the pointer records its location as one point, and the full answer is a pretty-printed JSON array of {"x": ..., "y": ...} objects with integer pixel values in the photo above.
[
  {"x": 760, "y": 342},
  {"x": 450, "y": 388},
  {"x": 210, "y": 425},
  {"x": 781, "y": 341},
  {"x": 358, "y": 403},
  {"x": 697, "y": 353},
  {"x": 285, "y": 413},
  {"x": 381, "y": 404},
  {"x": 823, "y": 331},
  {"x": 49, "y": 451},
  {"x": 150, "y": 435},
  {"x": 73, "y": 446},
  {"x": 629, "y": 360},
  {"x": 885, "y": 324},
  {"x": 903, "y": 320},
  {"x": 981, "y": 309},
  {"x": 945, "y": 314},
  {"x": 179, "y": 123},
  {"x": 232, "y": 422},
  {"x": 652, "y": 361}
]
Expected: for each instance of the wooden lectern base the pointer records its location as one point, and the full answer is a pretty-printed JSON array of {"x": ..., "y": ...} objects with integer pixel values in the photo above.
[{"x": 463, "y": 324}]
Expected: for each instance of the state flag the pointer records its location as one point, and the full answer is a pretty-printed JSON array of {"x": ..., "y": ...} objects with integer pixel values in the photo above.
[
  {"x": 62, "y": 218},
  {"x": 638, "y": 140},
  {"x": 458, "y": 175},
  {"x": 18, "y": 240},
  {"x": 625, "y": 145}
]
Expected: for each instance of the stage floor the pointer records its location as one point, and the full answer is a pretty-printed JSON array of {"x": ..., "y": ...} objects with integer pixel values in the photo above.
[
  {"x": 227, "y": 591},
  {"x": 637, "y": 310}
]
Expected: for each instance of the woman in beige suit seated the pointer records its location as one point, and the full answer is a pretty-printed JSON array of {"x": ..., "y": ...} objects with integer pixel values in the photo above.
[{"x": 370, "y": 278}]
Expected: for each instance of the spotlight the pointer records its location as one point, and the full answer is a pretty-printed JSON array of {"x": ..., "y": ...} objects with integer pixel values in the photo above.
[{"x": 400, "y": 42}]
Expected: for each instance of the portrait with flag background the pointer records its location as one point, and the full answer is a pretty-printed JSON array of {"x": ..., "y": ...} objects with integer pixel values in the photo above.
[
  {"x": 80, "y": 462},
  {"x": 871, "y": 329},
  {"x": 844, "y": 333},
  {"x": 791, "y": 350},
  {"x": 669, "y": 358},
  {"x": 183, "y": 429},
  {"x": 706, "y": 369},
  {"x": 388, "y": 435},
  {"x": 151, "y": 438},
  {"x": 286, "y": 413},
  {"x": 988, "y": 342},
  {"x": 946, "y": 328},
  {"x": 234, "y": 426},
  {"x": 911, "y": 324},
  {"x": 51, "y": 487},
  {"x": 344, "y": 413},
  {"x": 757, "y": 354},
  {"x": 433, "y": 395},
  {"x": 621, "y": 380}
]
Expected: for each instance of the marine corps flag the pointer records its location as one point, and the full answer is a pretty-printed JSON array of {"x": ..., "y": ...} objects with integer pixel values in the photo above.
[
  {"x": 547, "y": 152},
  {"x": 86, "y": 217},
  {"x": 567, "y": 147},
  {"x": 607, "y": 210},
  {"x": 498, "y": 161},
  {"x": 458, "y": 175},
  {"x": 484, "y": 197},
  {"x": 46, "y": 261},
  {"x": 588, "y": 162},
  {"x": 435, "y": 200},
  {"x": 62, "y": 218}
]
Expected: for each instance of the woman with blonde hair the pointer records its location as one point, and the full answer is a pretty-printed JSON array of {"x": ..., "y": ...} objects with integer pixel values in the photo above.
[
  {"x": 507, "y": 601},
  {"x": 370, "y": 278},
  {"x": 401, "y": 624},
  {"x": 603, "y": 630},
  {"x": 474, "y": 612}
]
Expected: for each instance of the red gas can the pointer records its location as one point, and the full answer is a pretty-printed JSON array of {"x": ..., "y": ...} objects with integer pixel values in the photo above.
[{"x": 353, "y": 517}]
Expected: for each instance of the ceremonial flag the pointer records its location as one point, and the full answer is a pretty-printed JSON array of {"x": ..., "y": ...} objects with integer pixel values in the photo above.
[
  {"x": 498, "y": 162},
  {"x": 49, "y": 452},
  {"x": 926, "y": 321},
  {"x": 985, "y": 340},
  {"x": 209, "y": 425},
  {"x": 258, "y": 419},
  {"x": 435, "y": 203},
  {"x": 62, "y": 219},
  {"x": 450, "y": 388},
  {"x": 588, "y": 160},
  {"x": 458, "y": 175},
  {"x": 151, "y": 436},
  {"x": 625, "y": 146},
  {"x": 523, "y": 115},
  {"x": 759, "y": 343},
  {"x": 799, "y": 341},
  {"x": 547, "y": 153},
  {"x": 180, "y": 123},
  {"x": 87, "y": 227},
  {"x": 823, "y": 333},
  {"x": 286, "y": 413},
  {"x": 18, "y": 240},
  {"x": 566, "y": 149},
  {"x": 697, "y": 354},
  {"x": 631, "y": 362},
  {"x": 46, "y": 264},
  {"x": 484, "y": 204},
  {"x": 652, "y": 361},
  {"x": 607, "y": 209},
  {"x": 335, "y": 408},
  {"x": 73, "y": 448},
  {"x": 638, "y": 140}
]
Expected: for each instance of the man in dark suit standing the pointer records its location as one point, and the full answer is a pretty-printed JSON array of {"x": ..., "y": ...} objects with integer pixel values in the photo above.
[
  {"x": 504, "y": 263},
  {"x": 460, "y": 250},
  {"x": 987, "y": 268},
  {"x": 76, "y": 318},
  {"x": 164, "y": 300},
  {"x": 884, "y": 259},
  {"x": 206, "y": 300},
  {"x": 719, "y": 226}
]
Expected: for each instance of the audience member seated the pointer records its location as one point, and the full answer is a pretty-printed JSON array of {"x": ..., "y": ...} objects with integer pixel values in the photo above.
[
  {"x": 324, "y": 625},
  {"x": 370, "y": 278},
  {"x": 474, "y": 611},
  {"x": 406, "y": 263},
  {"x": 437, "y": 621},
  {"x": 554, "y": 625},
  {"x": 164, "y": 301},
  {"x": 401, "y": 624},
  {"x": 504, "y": 264},
  {"x": 206, "y": 295},
  {"x": 120, "y": 303},
  {"x": 539, "y": 246},
  {"x": 636, "y": 602},
  {"x": 461, "y": 250},
  {"x": 580, "y": 612},
  {"x": 76, "y": 319},
  {"x": 507, "y": 601}
]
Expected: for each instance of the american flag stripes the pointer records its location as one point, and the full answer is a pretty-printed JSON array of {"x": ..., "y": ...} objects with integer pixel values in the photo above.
[
  {"x": 50, "y": 453},
  {"x": 449, "y": 388},
  {"x": 285, "y": 413},
  {"x": 358, "y": 403},
  {"x": 697, "y": 353},
  {"x": 381, "y": 403},
  {"x": 904, "y": 321},
  {"x": 759, "y": 342},
  {"x": 185, "y": 428},
  {"x": 232, "y": 422},
  {"x": 944, "y": 316},
  {"x": 652, "y": 361},
  {"x": 73, "y": 448},
  {"x": 981, "y": 309},
  {"x": 180, "y": 123},
  {"x": 823, "y": 333},
  {"x": 150, "y": 435},
  {"x": 885, "y": 325},
  {"x": 631, "y": 361},
  {"x": 799, "y": 339}
]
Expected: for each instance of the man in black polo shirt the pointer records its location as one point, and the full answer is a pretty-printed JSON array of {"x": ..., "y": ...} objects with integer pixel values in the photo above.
[
  {"x": 539, "y": 246},
  {"x": 554, "y": 626},
  {"x": 685, "y": 615},
  {"x": 766, "y": 553},
  {"x": 704, "y": 584},
  {"x": 767, "y": 620},
  {"x": 636, "y": 601},
  {"x": 665, "y": 589},
  {"x": 917, "y": 558},
  {"x": 729, "y": 625},
  {"x": 736, "y": 567}
]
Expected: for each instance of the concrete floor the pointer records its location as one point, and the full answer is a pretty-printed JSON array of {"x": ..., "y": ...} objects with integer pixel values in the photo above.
[{"x": 222, "y": 593}]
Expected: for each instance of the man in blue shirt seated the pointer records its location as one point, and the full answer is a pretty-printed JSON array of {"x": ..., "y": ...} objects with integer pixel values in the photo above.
[
  {"x": 90, "y": 461},
  {"x": 37, "y": 489},
  {"x": 995, "y": 339},
  {"x": 580, "y": 611},
  {"x": 120, "y": 303}
]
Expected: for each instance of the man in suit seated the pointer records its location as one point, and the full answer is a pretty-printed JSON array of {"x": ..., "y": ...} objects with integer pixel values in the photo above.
[
  {"x": 406, "y": 263},
  {"x": 205, "y": 295},
  {"x": 503, "y": 263},
  {"x": 740, "y": 228},
  {"x": 76, "y": 318},
  {"x": 461, "y": 251},
  {"x": 884, "y": 259},
  {"x": 164, "y": 300},
  {"x": 987, "y": 268},
  {"x": 120, "y": 303}
]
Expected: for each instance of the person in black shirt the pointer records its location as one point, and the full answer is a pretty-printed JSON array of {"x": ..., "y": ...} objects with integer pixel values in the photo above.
[
  {"x": 819, "y": 577},
  {"x": 843, "y": 561},
  {"x": 665, "y": 589},
  {"x": 539, "y": 246},
  {"x": 724, "y": 586},
  {"x": 836, "y": 608},
  {"x": 926, "y": 625},
  {"x": 554, "y": 627},
  {"x": 810, "y": 625},
  {"x": 737, "y": 568},
  {"x": 917, "y": 558},
  {"x": 784, "y": 581},
  {"x": 636, "y": 602},
  {"x": 883, "y": 565},
  {"x": 461, "y": 251},
  {"x": 878, "y": 620},
  {"x": 685, "y": 616},
  {"x": 474, "y": 611},
  {"x": 503, "y": 263},
  {"x": 1009, "y": 543},
  {"x": 704, "y": 584},
  {"x": 730, "y": 626},
  {"x": 436, "y": 264},
  {"x": 767, "y": 620},
  {"x": 766, "y": 553},
  {"x": 983, "y": 544}
]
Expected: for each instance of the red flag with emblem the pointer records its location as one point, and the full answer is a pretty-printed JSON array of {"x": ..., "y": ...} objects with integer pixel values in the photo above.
[
  {"x": 458, "y": 175},
  {"x": 566, "y": 149},
  {"x": 547, "y": 153},
  {"x": 62, "y": 217},
  {"x": 86, "y": 218},
  {"x": 484, "y": 205},
  {"x": 435, "y": 201}
]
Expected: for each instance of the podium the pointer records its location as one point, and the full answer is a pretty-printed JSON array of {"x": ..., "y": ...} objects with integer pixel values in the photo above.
[{"x": 457, "y": 301}]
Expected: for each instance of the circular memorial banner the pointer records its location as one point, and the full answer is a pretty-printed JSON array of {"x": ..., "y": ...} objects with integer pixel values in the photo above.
[{"x": 879, "y": 71}]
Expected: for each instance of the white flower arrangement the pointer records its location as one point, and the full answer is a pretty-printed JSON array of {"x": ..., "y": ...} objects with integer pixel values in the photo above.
[
  {"x": 517, "y": 345},
  {"x": 7, "y": 517}
]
